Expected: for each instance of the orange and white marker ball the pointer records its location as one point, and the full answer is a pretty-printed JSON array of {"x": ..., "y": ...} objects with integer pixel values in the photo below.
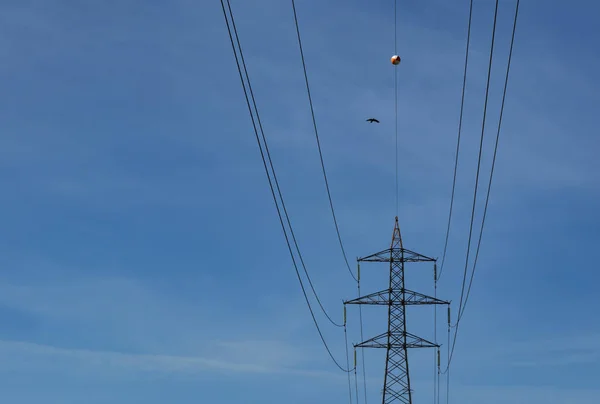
[{"x": 396, "y": 60}]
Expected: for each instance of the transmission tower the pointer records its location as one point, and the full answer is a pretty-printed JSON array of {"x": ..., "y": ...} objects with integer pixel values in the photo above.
[{"x": 396, "y": 341}]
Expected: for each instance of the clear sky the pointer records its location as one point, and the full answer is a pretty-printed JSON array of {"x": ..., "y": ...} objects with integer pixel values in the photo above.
[{"x": 141, "y": 258}]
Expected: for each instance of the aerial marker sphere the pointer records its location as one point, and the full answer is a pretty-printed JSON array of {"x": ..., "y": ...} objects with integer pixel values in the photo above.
[{"x": 396, "y": 60}]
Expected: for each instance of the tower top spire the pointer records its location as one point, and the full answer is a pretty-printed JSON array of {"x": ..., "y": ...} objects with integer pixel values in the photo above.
[{"x": 397, "y": 237}]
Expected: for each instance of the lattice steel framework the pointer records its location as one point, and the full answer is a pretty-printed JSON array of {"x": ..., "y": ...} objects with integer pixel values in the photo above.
[{"x": 396, "y": 384}]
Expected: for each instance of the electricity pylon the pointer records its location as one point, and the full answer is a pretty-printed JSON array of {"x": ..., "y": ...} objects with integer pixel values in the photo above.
[{"x": 396, "y": 384}]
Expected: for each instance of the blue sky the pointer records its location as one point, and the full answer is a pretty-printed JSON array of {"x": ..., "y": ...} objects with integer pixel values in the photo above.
[{"x": 141, "y": 258}]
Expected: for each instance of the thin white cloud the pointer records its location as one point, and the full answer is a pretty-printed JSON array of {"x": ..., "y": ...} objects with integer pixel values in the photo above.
[
  {"x": 137, "y": 362},
  {"x": 133, "y": 313},
  {"x": 547, "y": 394},
  {"x": 538, "y": 351},
  {"x": 18, "y": 355},
  {"x": 560, "y": 351}
]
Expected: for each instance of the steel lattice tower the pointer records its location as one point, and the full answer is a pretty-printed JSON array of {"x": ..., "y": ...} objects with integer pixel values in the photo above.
[{"x": 397, "y": 341}]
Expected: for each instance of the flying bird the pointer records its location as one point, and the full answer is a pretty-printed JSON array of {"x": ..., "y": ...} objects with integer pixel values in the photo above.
[{"x": 371, "y": 120}]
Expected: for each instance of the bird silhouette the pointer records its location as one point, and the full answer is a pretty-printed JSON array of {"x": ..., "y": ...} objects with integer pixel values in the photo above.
[{"x": 371, "y": 120}]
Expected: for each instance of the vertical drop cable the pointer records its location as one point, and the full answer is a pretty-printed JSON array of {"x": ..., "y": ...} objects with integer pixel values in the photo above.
[
  {"x": 435, "y": 374},
  {"x": 438, "y": 373},
  {"x": 362, "y": 351},
  {"x": 347, "y": 357},
  {"x": 448, "y": 370},
  {"x": 396, "y": 94},
  {"x": 434, "y": 379},
  {"x": 355, "y": 376},
  {"x": 438, "y": 376}
]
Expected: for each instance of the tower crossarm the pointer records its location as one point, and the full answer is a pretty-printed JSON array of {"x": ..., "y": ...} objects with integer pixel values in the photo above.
[
  {"x": 396, "y": 341},
  {"x": 397, "y": 254},
  {"x": 382, "y": 298}
]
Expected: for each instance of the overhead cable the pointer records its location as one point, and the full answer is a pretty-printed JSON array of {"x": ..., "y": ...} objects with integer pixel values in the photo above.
[
  {"x": 314, "y": 121},
  {"x": 463, "y": 304},
  {"x": 462, "y": 103},
  {"x": 271, "y": 186}
]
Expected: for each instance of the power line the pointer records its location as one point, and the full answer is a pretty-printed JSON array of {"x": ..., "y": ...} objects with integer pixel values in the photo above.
[
  {"x": 462, "y": 103},
  {"x": 254, "y": 124},
  {"x": 275, "y": 175},
  {"x": 314, "y": 121},
  {"x": 487, "y": 198},
  {"x": 462, "y": 306},
  {"x": 487, "y": 90}
]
